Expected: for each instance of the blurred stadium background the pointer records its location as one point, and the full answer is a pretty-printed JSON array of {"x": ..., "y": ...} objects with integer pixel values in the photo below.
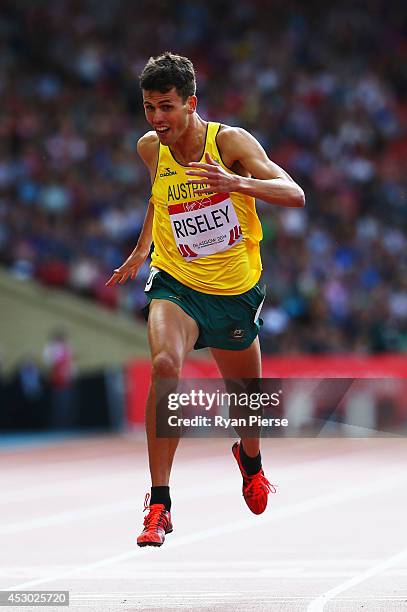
[{"x": 321, "y": 85}]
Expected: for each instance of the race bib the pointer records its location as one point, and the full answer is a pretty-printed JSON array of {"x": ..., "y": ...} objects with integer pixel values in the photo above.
[{"x": 204, "y": 227}]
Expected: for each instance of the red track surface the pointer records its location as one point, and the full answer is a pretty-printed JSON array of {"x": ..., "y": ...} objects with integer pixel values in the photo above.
[{"x": 336, "y": 528}]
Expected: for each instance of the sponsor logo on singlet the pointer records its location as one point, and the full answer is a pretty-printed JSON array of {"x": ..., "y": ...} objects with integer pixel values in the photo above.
[{"x": 168, "y": 172}]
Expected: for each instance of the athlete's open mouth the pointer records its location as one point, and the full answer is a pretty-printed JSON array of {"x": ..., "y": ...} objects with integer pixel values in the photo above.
[{"x": 162, "y": 130}]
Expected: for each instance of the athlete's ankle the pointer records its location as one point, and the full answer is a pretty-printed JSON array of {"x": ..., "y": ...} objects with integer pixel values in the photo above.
[
  {"x": 251, "y": 465},
  {"x": 161, "y": 495}
]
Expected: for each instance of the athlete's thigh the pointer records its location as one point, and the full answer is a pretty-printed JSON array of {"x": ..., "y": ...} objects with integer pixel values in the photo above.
[
  {"x": 239, "y": 364},
  {"x": 170, "y": 329}
]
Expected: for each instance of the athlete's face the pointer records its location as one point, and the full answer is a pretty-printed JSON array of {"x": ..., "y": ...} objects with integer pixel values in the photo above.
[{"x": 168, "y": 114}]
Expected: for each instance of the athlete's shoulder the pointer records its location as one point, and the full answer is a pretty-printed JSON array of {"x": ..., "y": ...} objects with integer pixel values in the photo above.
[
  {"x": 147, "y": 146},
  {"x": 232, "y": 141},
  {"x": 229, "y": 135}
]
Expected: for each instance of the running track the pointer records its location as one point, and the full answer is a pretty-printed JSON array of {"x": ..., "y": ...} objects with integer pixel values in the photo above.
[{"x": 333, "y": 538}]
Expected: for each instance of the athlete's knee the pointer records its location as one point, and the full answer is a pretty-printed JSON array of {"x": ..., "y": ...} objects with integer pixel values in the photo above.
[{"x": 166, "y": 365}]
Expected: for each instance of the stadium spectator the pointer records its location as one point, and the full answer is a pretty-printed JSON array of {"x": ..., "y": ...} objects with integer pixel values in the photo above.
[
  {"x": 59, "y": 362},
  {"x": 331, "y": 108}
]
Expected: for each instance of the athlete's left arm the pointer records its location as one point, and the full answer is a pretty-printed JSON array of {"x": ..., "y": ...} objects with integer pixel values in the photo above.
[{"x": 267, "y": 181}]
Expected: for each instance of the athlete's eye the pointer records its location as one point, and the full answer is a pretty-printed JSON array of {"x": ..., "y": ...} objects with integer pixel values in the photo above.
[{"x": 166, "y": 108}]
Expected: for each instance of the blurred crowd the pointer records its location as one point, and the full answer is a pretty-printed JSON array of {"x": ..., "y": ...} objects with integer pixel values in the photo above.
[
  {"x": 40, "y": 395},
  {"x": 321, "y": 85}
]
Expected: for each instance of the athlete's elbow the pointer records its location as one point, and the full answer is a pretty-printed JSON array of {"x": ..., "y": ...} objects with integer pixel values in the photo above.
[{"x": 298, "y": 199}]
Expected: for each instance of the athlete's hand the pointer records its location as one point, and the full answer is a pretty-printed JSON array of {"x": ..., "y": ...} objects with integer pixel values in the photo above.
[
  {"x": 213, "y": 175},
  {"x": 129, "y": 269}
]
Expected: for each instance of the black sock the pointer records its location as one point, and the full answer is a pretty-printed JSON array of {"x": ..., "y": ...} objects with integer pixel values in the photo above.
[
  {"x": 251, "y": 465},
  {"x": 161, "y": 495}
]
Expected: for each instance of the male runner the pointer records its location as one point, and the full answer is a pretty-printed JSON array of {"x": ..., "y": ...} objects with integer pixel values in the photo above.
[{"x": 203, "y": 288}]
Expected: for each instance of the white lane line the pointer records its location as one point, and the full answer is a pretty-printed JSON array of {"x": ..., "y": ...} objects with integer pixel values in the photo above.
[
  {"x": 129, "y": 473},
  {"x": 66, "y": 487},
  {"x": 60, "y": 518},
  {"x": 214, "y": 575},
  {"x": 66, "y": 517},
  {"x": 52, "y": 488},
  {"x": 288, "y": 511},
  {"x": 101, "y": 461},
  {"x": 235, "y": 596},
  {"x": 318, "y": 604},
  {"x": 198, "y": 592},
  {"x": 218, "y": 575},
  {"x": 47, "y": 469},
  {"x": 126, "y": 571},
  {"x": 59, "y": 473},
  {"x": 221, "y": 487}
]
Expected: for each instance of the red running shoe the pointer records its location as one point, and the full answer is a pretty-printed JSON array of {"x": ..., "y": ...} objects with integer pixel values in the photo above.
[
  {"x": 157, "y": 524},
  {"x": 255, "y": 488}
]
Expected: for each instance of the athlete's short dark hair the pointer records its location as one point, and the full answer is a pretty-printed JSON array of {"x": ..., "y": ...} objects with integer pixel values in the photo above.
[{"x": 166, "y": 71}]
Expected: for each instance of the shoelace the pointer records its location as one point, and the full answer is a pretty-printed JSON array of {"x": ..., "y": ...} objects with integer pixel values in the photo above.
[
  {"x": 259, "y": 483},
  {"x": 146, "y": 500},
  {"x": 156, "y": 516}
]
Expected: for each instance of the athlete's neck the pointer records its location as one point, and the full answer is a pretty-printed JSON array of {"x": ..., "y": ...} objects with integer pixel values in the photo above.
[{"x": 190, "y": 146}]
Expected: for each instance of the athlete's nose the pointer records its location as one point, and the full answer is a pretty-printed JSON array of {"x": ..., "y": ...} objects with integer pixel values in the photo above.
[{"x": 158, "y": 117}]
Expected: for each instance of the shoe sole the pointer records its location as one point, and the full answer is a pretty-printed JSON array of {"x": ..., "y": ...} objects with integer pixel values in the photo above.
[{"x": 156, "y": 544}]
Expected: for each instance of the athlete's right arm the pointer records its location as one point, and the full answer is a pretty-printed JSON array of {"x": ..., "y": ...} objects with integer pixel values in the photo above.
[
  {"x": 137, "y": 257},
  {"x": 147, "y": 148}
]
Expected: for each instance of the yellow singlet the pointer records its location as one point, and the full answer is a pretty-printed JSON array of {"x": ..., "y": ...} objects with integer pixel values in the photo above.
[{"x": 209, "y": 243}]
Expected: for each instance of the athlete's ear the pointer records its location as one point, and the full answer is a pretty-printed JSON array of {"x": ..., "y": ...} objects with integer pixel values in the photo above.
[{"x": 191, "y": 103}]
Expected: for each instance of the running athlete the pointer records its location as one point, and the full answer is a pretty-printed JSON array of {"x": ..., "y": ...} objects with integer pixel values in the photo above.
[{"x": 203, "y": 287}]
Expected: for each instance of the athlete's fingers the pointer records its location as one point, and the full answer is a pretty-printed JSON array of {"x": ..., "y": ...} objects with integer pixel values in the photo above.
[
  {"x": 203, "y": 190},
  {"x": 208, "y": 188},
  {"x": 206, "y": 176},
  {"x": 200, "y": 165},
  {"x": 124, "y": 277},
  {"x": 210, "y": 161},
  {"x": 200, "y": 173},
  {"x": 131, "y": 272},
  {"x": 119, "y": 274},
  {"x": 199, "y": 182},
  {"x": 113, "y": 279}
]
